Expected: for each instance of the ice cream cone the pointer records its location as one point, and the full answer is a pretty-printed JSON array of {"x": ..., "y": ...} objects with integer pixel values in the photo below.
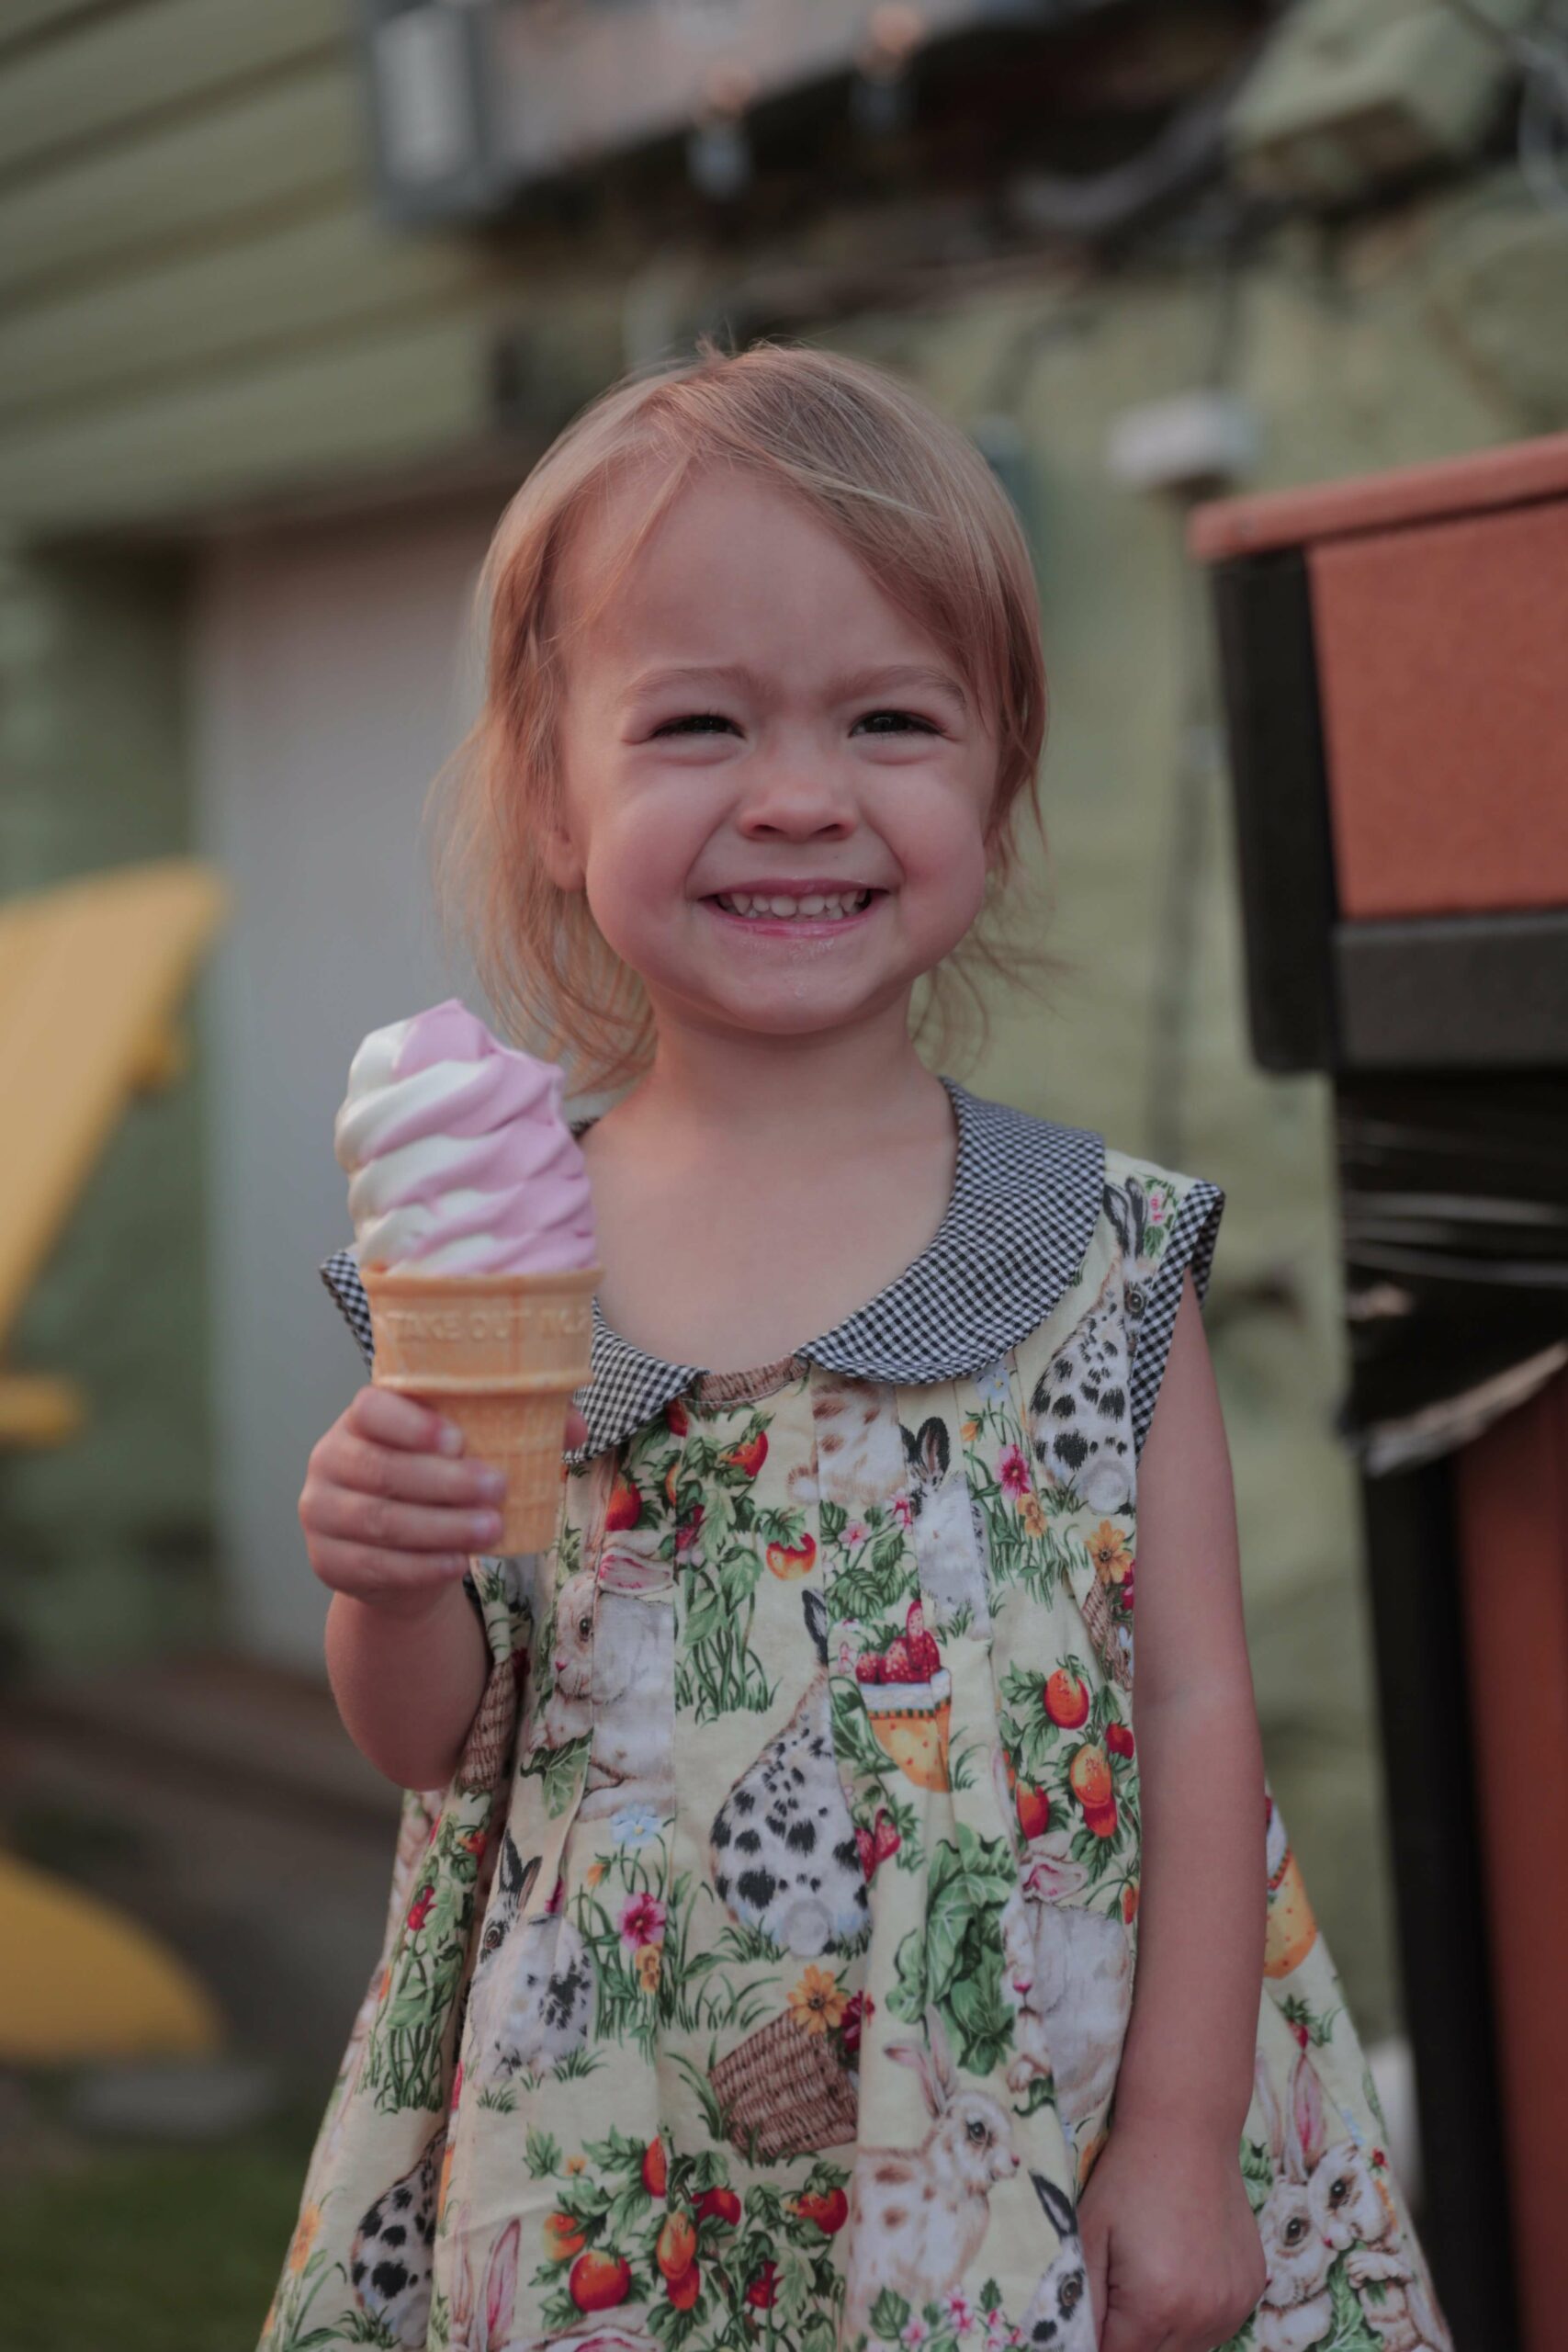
[{"x": 499, "y": 1355}]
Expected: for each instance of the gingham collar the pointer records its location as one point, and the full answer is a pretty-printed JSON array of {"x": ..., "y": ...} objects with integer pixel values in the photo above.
[{"x": 1025, "y": 1199}]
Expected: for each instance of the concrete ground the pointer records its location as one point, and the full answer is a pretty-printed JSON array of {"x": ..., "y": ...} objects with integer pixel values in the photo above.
[{"x": 221, "y": 1802}]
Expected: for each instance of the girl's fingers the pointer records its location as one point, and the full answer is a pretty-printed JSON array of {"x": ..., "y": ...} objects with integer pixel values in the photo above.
[
  {"x": 384, "y": 1577},
  {"x": 387, "y": 1419},
  {"x": 382, "y": 1523},
  {"x": 384, "y": 1418},
  {"x": 410, "y": 1477}
]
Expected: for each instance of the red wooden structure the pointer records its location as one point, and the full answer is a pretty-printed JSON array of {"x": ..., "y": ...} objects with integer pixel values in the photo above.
[{"x": 1394, "y": 655}]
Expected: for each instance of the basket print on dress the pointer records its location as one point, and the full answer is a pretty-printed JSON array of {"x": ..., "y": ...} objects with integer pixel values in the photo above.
[{"x": 771, "y": 1990}]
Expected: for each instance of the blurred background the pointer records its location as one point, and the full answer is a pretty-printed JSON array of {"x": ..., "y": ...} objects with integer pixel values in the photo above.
[{"x": 291, "y": 298}]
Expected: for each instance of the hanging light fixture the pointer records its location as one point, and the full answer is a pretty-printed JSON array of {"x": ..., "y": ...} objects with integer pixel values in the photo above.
[
  {"x": 719, "y": 147},
  {"x": 881, "y": 91}
]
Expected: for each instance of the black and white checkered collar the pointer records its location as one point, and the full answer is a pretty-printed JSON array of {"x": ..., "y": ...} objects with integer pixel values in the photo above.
[{"x": 1025, "y": 1198}]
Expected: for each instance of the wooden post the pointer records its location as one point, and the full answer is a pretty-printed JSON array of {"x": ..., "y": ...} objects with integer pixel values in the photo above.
[{"x": 1512, "y": 1496}]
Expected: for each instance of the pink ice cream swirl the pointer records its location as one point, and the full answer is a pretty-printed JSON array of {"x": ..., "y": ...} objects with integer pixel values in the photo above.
[{"x": 459, "y": 1157}]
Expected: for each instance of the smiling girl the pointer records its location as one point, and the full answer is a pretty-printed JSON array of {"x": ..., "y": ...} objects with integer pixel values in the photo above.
[{"x": 931, "y": 1983}]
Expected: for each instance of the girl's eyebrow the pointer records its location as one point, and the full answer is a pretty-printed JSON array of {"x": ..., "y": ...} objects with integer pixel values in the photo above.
[{"x": 740, "y": 676}]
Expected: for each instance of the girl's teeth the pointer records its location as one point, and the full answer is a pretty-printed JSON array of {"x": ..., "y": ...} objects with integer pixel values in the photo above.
[{"x": 742, "y": 903}]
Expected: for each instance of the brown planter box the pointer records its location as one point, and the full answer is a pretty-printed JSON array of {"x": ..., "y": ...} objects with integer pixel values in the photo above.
[{"x": 1395, "y": 657}]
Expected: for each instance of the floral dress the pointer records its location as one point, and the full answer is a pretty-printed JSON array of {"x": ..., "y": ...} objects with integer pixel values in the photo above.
[{"x": 760, "y": 1977}]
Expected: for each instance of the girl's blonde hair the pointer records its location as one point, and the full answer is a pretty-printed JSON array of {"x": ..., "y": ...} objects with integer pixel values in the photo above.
[{"x": 913, "y": 502}]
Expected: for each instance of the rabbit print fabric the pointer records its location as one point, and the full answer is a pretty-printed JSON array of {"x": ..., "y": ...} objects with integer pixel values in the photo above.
[{"x": 761, "y": 1977}]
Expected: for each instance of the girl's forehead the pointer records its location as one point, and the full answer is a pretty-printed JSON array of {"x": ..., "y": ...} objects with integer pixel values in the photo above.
[
  {"x": 733, "y": 567},
  {"x": 644, "y": 525}
]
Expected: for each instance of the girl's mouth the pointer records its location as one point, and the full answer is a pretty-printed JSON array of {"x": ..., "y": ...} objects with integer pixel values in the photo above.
[{"x": 777, "y": 912}]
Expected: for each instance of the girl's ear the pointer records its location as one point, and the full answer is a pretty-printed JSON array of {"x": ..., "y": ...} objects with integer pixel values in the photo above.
[
  {"x": 995, "y": 840},
  {"x": 560, "y": 856}
]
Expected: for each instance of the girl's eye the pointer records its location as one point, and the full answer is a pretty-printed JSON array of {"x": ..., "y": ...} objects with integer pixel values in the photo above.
[
  {"x": 703, "y": 719},
  {"x": 907, "y": 717}
]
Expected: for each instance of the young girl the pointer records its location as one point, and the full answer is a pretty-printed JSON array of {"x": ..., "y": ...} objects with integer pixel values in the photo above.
[{"x": 778, "y": 1847}]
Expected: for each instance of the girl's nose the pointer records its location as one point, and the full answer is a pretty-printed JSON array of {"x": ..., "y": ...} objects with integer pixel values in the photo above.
[
  {"x": 795, "y": 805},
  {"x": 798, "y": 823}
]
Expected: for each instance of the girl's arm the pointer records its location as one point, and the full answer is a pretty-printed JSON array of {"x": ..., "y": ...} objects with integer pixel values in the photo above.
[
  {"x": 390, "y": 1514},
  {"x": 408, "y": 1688},
  {"x": 1174, "y": 2258}
]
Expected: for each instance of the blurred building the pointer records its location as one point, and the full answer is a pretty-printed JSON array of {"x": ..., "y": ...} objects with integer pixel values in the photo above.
[{"x": 290, "y": 297}]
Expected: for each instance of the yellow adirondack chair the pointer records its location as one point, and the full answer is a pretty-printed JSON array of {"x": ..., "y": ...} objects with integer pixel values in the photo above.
[{"x": 92, "y": 977}]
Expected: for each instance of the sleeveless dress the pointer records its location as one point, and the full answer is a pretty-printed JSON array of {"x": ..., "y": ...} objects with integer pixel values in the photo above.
[{"x": 760, "y": 1977}]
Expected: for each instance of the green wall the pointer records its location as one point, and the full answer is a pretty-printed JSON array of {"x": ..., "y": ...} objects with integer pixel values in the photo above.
[{"x": 107, "y": 1540}]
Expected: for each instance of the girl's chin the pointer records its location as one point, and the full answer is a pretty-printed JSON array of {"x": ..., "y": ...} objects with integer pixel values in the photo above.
[{"x": 805, "y": 1005}]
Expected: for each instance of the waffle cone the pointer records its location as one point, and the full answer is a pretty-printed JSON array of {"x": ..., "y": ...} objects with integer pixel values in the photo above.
[{"x": 499, "y": 1355}]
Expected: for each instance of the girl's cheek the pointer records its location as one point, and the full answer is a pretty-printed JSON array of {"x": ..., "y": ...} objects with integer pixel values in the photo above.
[
  {"x": 634, "y": 888},
  {"x": 948, "y": 864}
]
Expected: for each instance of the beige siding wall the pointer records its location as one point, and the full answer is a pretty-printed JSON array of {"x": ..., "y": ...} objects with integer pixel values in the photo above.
[{"x": 197, "y": 303}]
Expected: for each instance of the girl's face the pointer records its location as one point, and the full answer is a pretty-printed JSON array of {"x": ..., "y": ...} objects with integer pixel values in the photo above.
[{"x": 750, "y": 722}]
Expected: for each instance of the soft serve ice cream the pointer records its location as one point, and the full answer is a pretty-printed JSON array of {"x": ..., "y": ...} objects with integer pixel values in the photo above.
[
  {"x": 473, "y": 1227},
  {"x": 459, "y": 1156}
]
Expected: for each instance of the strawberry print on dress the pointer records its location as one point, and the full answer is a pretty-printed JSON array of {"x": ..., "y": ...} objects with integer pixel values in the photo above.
[{"x": 762, "y": 1977}]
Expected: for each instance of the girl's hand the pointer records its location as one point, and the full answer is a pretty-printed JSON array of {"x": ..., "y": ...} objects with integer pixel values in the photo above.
[
  {"x": 390, "y": 1510},
  {"x": 1174, "y": 2259}
]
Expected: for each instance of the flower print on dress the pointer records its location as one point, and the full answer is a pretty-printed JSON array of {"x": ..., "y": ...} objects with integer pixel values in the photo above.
[
  {"x": 817, "y": 2001},
  {"x": 1018, "y": 1543},
  {"x": 641, "y": 1921},
  {"x": 636, "y": 1826},
  {"x": 650, "y": 2132},
  {"x": 1108, "y": 1548},
  {"x": 873, "y": 1558},
  {"x": 1012, "y": 1471}
]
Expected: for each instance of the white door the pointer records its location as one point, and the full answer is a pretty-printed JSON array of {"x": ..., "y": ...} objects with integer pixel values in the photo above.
[{"x": 333, "y": 672}]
